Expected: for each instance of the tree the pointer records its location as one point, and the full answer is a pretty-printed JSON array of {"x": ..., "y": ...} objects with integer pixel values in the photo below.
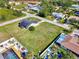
[
  {"x": 48, "y": 7},
  {"x": 31, "y": 28},
  {"x": 62, "y": 21},
  {"x": 3, "y": 3}
]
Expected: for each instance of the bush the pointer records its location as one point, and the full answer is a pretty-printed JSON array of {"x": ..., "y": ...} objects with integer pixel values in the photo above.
[
  {"x": 8, "y": 6},
  {"x": 67, "y": 31},
  {"x": 49, "y": 17},
  {"x": 31, "y": 28},
  {"x": 2, "y": 17},
  {"x": 41, "y": 14}
]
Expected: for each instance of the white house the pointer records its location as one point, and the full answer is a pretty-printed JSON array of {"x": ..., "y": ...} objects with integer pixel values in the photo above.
[
  {"x": 34, "y": 7},
  {"x": 58, "y": 15},
  {"x": 75, "y": 7}
]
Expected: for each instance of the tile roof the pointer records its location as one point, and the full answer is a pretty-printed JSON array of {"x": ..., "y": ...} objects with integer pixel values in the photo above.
[{"x": 71, "y": 43}]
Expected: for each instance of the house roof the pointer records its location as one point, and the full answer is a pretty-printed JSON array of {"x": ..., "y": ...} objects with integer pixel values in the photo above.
[
  {"x": 75, "y": 6},
  {"x": 34, "y": 7},
  {"x": 58, "y": 15},
  {"x": 76, "y": 32},
  {"x": 71, "y": 43},
  {"x": 74, "y": 17},
  {"x": 25, "y": 23},
  {"x": 31, "y": 5},
  {"x": 76, "y": 0},
  {"x": 77, "y": 13}
]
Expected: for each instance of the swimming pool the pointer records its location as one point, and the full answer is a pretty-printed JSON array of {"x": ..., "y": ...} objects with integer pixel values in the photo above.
[
  {"x": 61, "y": 38},
  {"x": 10, "y": 54}
]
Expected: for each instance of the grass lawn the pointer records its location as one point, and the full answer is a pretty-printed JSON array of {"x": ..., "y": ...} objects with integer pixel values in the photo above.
[
  {"x": 31, "y": 12},
  {"x": 20, "y": 6},
  {"x": 3, "y": 35},
  {"x": 36, "y": 40},
  {"x": 50, "y": 18},
  {"x": 8, "y": 14},
  {"x": 33, "y": 19}
]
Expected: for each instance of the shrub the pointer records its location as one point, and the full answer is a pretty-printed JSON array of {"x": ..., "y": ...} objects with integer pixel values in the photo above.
[
  {"x": 41, "y": 14},
  {"x": 62, "y": 21},
  {"x": 31, "y": 28}
]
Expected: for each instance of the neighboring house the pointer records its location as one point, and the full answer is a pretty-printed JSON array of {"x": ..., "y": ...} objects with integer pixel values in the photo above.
[
  {"x": 31, "y": 5},
  {"x": 34, "y": 7},
  {"x": 58, "y": 15},
  {"x": 76, "y": 0},
  {"x": 77, "y": 13},
  {"x": 75, "y": 7},
  {"x": 11, "y": 49},
  {"x": 26, "y": 1},
  {"x": 70, "y": 42},
  {"x": 76, "y": 32},
  {"x": 74, "y": 18}
]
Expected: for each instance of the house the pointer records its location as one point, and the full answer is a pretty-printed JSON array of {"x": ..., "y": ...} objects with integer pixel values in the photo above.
[
  {"x": 77, "y": 13},
  {"x": 11, "y": 49},
  {"x": 75, "y": 18},
  {"x": 58, "y": 15},
  {"x": 26, "y": 1},
  {"x": 76, "y": 32},
  {"x": 70, "y": 42},
  {"x": 26, "y": 23},
  {"x": 34, "y": 7},
  {"x": 76, "y": 0},
  {"x": 75, "y": 7}
]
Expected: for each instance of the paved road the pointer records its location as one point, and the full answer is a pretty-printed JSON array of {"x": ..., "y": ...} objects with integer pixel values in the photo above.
[
  {"x": 46, "y": 20},
  {"x": 31, "y": 15}
]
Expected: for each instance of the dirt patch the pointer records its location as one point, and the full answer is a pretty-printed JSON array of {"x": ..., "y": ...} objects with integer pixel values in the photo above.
[{"x": 4, "y": 36}]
